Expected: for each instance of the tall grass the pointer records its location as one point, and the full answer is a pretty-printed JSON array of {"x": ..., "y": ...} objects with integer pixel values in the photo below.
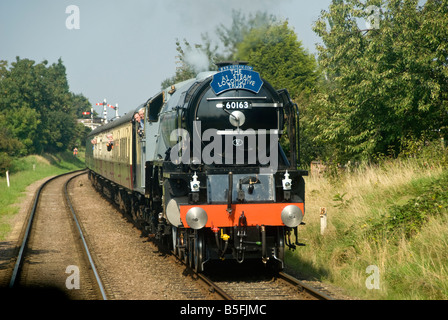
[
  {"x": 25, "y": 171},
  {"x": 392, "y": 216}
]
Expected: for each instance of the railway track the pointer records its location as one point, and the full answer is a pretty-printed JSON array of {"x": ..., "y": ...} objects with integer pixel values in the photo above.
[
  {"x": 303, "y": 287},
  {"x": 53, "y": 257},
  {"x": 213, "y": 288},
  {"x": 148, "y": 275},
  {"x": 223, "y": 285},
  {"x": 282, "y": 287},
  {"x": 254, "y": 282}
]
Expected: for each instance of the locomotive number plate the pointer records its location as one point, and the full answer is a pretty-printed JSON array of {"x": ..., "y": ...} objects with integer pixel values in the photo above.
[{"x": 234, "y": 105}]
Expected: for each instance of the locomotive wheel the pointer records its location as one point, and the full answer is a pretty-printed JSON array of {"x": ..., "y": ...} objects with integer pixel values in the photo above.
[
  {"x": 281, "y": 244},
  {"x": 198, "y": 251},
  {"x": 279, "y": 251},
  {"x": 190, "y": 251},
  {"x": 121, "y": 201},
  {"x": 176, "y": 250},
  {"x": 179, "y": 245},
  {"x": 185, "y": 250}
]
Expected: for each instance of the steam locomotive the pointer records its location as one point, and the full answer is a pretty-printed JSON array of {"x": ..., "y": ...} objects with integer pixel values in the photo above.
[{"x": 199, "y": 166}]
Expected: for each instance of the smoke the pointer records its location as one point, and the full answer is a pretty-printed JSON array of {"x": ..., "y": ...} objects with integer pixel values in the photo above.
[
  {"x": 198, "y": 17},
  {"x": 196, "y": 59},
  {"x": 210, "y": 13},
  {"x": 195, "y": 20}
]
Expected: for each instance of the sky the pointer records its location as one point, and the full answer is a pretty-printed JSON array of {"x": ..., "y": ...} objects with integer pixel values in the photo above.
[{"x": 121, "y": 51}]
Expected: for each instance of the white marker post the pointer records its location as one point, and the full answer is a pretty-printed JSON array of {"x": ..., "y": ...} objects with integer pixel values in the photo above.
[
  {"x": 7, "y": 178},
  {"x": 323, "y": 220}
]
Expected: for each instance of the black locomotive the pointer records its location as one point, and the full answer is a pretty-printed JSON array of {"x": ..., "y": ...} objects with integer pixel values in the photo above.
[{"x": 199, "y": 166}]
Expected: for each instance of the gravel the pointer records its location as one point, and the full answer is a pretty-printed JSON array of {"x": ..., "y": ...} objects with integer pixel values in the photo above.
[{"x": 131, "y": 266}]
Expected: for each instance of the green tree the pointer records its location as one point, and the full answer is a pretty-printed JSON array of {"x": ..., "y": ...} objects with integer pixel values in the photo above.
[
  {"x": 9, "y": 146},
  {"x": 23, "y": 124},
  {"x": 275, "y": 51},
  {"x": 59, "y": 130},
  {"x": 79, "y": 137},
  {"x": 36, "y": 106},
  {"x": 389, "y": 84},
  {"x": 79, "y": 104}
]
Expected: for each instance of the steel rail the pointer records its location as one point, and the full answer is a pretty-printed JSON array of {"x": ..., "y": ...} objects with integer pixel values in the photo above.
[
  {"x": 19, "y": 260},
  {"x": 303, "y": 286},
  {"x": 20, "y": 255},
  {"x": 214, "y": 288},
  {"x": 86, "y": 247}
]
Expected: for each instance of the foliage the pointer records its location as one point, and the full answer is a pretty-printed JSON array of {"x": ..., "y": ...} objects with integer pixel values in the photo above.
[
  {"x": 373, "y": 220},
  {"x": 37, "y": 111},
  {"x": 8, "y": 147},
  {"x": 387, "y": 84},
  {"x": 340, "y": 201},
  {"x": 275, "y": 52},
  {"x": 408, "y": 219}
]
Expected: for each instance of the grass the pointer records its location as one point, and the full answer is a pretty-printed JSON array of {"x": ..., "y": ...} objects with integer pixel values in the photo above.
[
  {"x": 25, "y": 171},
  {"x": 393, "y": 217}
]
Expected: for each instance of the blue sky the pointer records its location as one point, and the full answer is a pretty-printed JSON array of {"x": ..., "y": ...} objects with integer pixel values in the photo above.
[{"x": 123, "y": 50}]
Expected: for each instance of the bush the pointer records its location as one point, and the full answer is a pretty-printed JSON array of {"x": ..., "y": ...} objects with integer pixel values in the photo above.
[{"x": 408, "y": 219}]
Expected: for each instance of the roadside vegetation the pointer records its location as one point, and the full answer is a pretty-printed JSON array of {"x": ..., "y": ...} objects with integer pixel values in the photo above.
[
  {"x": 38, "y": 125},
  {"x": 38, "y": 113},
  {"x": 25, "y": 171},
  {"x": 392, "y": 216}
]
